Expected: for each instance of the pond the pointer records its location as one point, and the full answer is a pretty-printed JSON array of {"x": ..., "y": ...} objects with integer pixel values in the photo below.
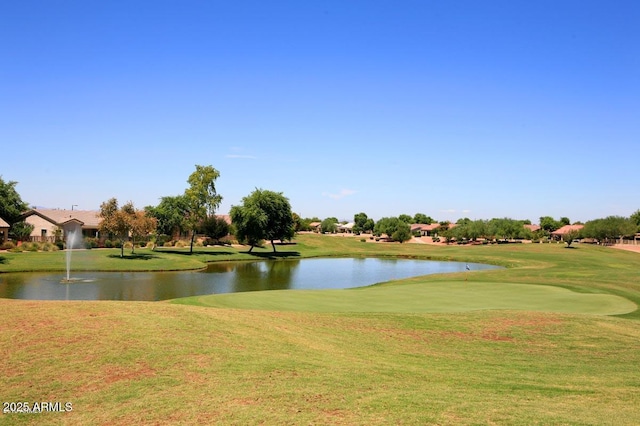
[{"x": 222, "y": 277}]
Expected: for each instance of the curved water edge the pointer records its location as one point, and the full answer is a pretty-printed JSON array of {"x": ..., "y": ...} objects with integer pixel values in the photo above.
[{"x": 224, "y": 277}]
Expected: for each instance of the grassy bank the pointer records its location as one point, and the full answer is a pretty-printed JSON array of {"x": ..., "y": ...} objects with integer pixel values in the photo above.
[
  {"x": 159, "y": 363},
  {"x": 347, "y": 363}
]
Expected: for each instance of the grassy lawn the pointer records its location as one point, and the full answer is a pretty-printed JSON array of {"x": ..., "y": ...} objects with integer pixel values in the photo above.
[{"x": 552, "y": 339}]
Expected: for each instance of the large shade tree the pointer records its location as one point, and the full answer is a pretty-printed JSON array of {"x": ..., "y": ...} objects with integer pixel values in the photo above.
[
  {"x": 201, "y": 198},
  {"x": 394, "y": 228},
  {"x": 609, "y": 229},
  {"x": 170, "y": 214},
  {"x": 263, "y": 215},
  {"x": 11, "y": 209},
  {"x": 11, "y": 205}
]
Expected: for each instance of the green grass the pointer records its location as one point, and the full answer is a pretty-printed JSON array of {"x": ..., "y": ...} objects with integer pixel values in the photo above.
[
  {"x": 549, "y": 340},
  {"x": 417, "y": 296}
]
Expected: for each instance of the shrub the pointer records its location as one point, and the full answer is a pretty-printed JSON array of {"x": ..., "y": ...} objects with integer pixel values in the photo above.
[
  {"x": 8, "y": 245},
  {"x": 31, "y": 246},
  {"x": 108, "y": 244},
  {"x": 162, "y": 240},
  {"x": 91, "y": 243},
  {"x": 363, "y": 240},
  {"x": 49, "y": 247}
]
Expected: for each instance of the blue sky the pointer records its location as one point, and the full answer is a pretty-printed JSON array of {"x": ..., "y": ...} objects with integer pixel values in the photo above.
[{"x": 451, "y": 108}]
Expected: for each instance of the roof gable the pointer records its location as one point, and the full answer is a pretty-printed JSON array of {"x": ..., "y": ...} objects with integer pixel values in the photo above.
[{"x": 88, "y": 218}]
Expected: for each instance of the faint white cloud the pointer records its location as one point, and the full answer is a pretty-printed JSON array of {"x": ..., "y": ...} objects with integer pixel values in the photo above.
[
  {"x": 250, "y": 157},
  {"x": 343, "y": 193},
  {"x": 466, "y": 211},
  {"x": 240, "y": 153},
  {"x": 448, "y": 211}
]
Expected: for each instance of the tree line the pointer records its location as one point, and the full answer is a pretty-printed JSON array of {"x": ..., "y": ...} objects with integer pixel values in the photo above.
[{"x": 267, "y": 216}]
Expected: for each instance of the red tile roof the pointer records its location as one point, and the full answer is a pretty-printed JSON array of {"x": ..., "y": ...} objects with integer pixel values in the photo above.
[{"x": 566, "y": 229}]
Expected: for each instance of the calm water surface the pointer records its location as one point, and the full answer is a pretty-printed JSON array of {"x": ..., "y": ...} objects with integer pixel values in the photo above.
[{"x": 223, "y": 277}]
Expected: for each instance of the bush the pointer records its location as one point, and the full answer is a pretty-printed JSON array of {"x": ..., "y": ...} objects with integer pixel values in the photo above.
[
  {"x": 108, "y": 244},
  {"x": 363, "y": 240},
  {"x": 31, "y": 246},
  {"x": 8, "y": 245},
  {"x": 49, "y": 247},
  {"x": 91, "y": 243},
  {"x": 162, "y": 240}
]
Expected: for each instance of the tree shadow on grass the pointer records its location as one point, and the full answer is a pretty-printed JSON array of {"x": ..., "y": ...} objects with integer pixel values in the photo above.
[
  {"x": 272, "y": 255},
  {"x": 134, "y": 256},
  {"x": 3, "y": 260},
  {"x": 195, "y": 253}
]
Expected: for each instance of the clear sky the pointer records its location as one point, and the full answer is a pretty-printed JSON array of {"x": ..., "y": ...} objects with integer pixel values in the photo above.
[{"x": 454, "y": 109}]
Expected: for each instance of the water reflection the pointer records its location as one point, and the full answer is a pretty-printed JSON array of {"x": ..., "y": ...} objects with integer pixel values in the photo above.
[{"x": 221, "y": 277}]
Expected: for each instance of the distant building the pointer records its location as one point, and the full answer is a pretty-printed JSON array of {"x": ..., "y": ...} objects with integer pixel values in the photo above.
[{"x": 51, "y": 223}]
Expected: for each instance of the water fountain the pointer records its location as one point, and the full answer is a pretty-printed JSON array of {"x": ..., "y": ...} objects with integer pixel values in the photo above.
[{"x": 71, "y": 242}]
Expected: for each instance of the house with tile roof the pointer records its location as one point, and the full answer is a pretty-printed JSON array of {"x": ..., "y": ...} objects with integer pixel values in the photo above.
[
  {"x": 532, "y": 228},
  {"x": 424, "y": 229},
  {"x": 559, "y": 233},
  {"x": 49, "y": 224}
]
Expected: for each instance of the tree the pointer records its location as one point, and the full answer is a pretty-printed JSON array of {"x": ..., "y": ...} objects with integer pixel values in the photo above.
[
  {"x": 369, "y": 225},
  {"x": 565, "y": 221},
  {"x": 21, "y": 231},
  {"x": 570, "y": 236},
  {"x": 329, "y": 225},
  {"x": 609, "y": 228},
  {"x": 201, "y": 198},
  {"x": 507, "y": 228},
  {"x": 394, "y": 228},
  {"x": 360, "y": 221},
  {"x": 263, "y": 215},
  {"x": 422, "y": 218},
  {"x": 11, "y": 205},
  {"x": 635, "y": 218},
  {"x": 403, "y": 233},
  {"x": 406, "y": 218},
  {"x": 141, "y": 225},
  {"x": 170, "y": 214},
  {"x": 549, "y": 224},
  {"x": 116, "y": 221},
  {"x": 215, "y": 227}
]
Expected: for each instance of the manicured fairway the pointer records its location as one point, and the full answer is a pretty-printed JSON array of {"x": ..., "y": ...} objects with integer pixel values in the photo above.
[
  {"x": 551, "y": 339},
  {"x": 450, "y": 296}
]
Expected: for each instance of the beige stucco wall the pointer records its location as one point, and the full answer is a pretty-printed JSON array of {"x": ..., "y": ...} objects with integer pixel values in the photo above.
[{"x": 39, "y": 224}]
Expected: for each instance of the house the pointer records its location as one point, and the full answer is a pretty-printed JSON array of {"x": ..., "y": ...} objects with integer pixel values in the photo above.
[
  {"x": 4, "y": 231},
  {"x": 532, "y": 228},
  {"x": 315, "y": 226},
  {"x": 49, "y": 224},
  {"x": 559, "y": 233},
  {"x": 424, "y": 229},
  {"x": 346, "y": 228}
]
